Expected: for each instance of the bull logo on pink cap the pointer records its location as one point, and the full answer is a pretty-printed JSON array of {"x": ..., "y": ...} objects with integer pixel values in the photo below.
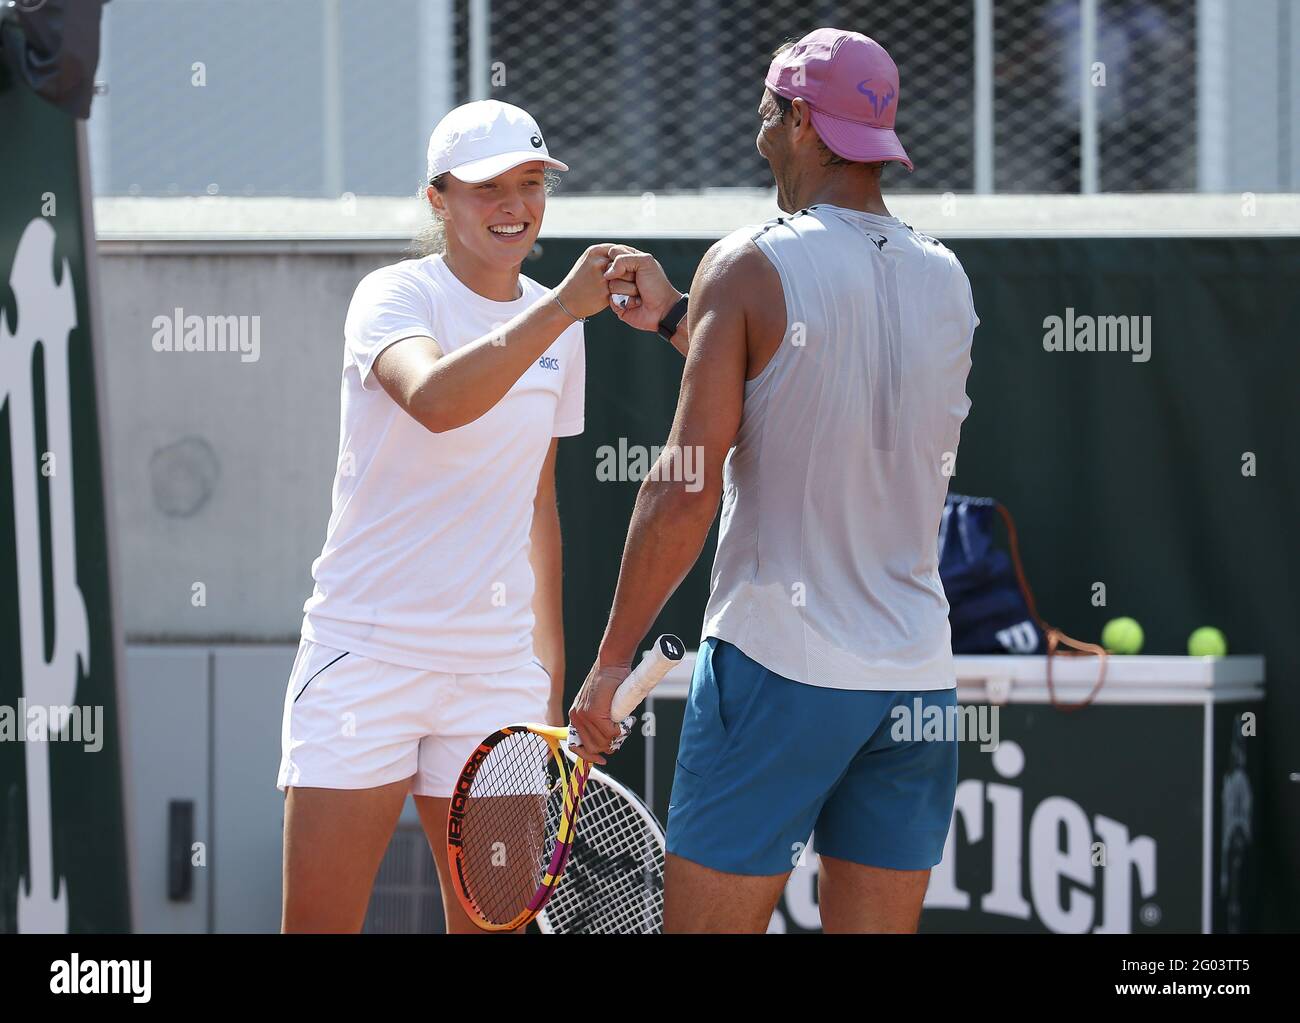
[{"x": 879, "y": 94}]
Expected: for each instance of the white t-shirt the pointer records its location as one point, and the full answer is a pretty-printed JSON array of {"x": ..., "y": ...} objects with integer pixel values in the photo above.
[{"x": 426, "y": 560}]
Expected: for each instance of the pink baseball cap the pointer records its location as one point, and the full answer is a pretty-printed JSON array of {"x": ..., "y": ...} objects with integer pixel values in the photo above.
[{"x": 851, "y": 83}]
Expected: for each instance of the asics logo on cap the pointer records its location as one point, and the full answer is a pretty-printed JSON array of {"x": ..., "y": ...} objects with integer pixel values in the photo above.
[{"x": 879, "y": 94}]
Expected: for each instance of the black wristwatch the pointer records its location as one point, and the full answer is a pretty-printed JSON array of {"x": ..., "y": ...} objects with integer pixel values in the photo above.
[{"x": 669, "y": 324}]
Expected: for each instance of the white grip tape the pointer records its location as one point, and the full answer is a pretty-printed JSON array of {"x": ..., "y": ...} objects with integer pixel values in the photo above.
[{"x": 655, "y": 664}]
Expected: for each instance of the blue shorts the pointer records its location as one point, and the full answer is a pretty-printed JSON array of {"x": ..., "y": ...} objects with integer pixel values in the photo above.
[{"x": 764, "y": 762}]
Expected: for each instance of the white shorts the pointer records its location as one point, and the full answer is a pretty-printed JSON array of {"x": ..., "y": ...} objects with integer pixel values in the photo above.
[{"x": 351, "y": 722}]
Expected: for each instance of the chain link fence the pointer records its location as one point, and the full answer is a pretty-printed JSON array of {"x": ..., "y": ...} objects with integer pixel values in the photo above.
[
  {"x": 318, "y": 97},
  {"x": 1142, "y": 79}
]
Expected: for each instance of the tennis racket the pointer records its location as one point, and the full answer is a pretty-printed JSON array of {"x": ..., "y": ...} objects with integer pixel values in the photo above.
[
  {"x": 513, "y": 815},
  {"x": 614, "y": 880}
]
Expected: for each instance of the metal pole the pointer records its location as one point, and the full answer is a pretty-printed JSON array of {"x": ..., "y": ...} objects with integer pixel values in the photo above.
[
  {"x": 100, "y": 124},
  {"x": 1088, "y": 149},
  {"x": 332, "y": 135},
  {"x": 480, "y": 41},
  {"x": 1212, "y": 96},
  {"x": 437, "y": 68},
  {"x": 1286, "y": 88},
  {"x": 984, "y": 96}
]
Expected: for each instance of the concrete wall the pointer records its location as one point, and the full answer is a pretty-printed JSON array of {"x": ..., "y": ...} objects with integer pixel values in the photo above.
[{"x": 221, "y": 468}]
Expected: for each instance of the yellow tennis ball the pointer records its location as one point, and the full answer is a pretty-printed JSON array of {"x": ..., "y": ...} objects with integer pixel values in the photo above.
[
  {"x": 1122, "y": 636},
  {"x": 1207, "y": 642}
]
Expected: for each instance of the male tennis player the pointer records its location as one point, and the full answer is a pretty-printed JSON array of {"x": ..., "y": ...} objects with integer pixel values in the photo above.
[{"x": 826, "y": 360}]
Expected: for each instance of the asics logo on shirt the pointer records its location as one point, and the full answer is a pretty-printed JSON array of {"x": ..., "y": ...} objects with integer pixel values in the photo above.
[{"x": 549, "y": 362}]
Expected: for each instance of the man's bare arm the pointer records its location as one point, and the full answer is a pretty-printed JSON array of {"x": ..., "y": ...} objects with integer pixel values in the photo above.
[
  {"x": 638, "y": 276},
  {"x": 673, "y": 514},
  {"x": 737, "y": 308}
]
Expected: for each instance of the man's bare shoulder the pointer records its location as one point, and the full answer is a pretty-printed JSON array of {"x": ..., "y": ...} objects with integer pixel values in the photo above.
[
  {"x": 738, "y": 282},
  {"x": 735, "y": 267}
]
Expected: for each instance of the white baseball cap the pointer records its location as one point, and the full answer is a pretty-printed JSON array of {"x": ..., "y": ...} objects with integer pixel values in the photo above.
[{"x": 477, "y": 141}]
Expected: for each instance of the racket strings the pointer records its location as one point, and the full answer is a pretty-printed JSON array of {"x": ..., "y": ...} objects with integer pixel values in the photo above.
[
  {"x": 512, "y": 814},
  {"x": 614, "y": 880}
]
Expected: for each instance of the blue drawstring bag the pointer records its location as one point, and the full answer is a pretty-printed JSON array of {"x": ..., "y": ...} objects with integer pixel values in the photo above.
[
  {"x": 991, "y": 608},
  {"x": 988, "y": 612}
]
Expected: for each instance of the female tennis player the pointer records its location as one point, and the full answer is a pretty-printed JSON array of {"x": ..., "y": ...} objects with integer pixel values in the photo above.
[{"x": 435, "y": 616}]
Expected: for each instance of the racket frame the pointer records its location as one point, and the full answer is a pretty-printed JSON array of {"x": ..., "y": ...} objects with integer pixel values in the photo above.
[
  {"x": 656, "y": 662},
  {"x": 573, "y": 777},
  {"x": 636, "y": 804}
]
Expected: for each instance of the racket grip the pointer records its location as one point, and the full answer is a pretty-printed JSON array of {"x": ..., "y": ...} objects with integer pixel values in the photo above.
[{"x": 656, "y": 663}]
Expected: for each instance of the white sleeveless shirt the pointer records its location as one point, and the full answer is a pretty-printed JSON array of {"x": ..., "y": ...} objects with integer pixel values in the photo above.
[{"x": 827, "y": 569}]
